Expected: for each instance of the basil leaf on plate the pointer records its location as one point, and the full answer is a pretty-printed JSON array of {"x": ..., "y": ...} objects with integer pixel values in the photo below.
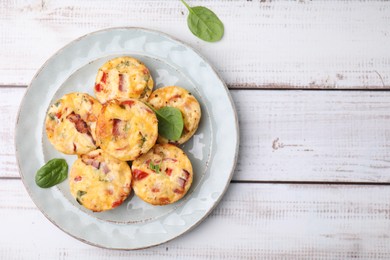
[
  {"x": 170, "y": 123},
  {"x": 53, "y": 172},
  {"x": 204, "y": 23}
]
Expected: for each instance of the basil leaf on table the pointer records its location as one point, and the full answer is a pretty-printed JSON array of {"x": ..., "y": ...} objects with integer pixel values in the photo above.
[
  {"x": 204, "y": 23},
  {"x": 53, "y": 172}
]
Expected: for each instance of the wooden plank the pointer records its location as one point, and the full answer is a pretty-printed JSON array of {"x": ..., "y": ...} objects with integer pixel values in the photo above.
[
  {"x": 10, "y": 99},
  {"x": 335, "y": 136},
  {"x": 253, "y": 221},
  {"x": 278, "y": 44},
  {"x": 332, "y": 136}
]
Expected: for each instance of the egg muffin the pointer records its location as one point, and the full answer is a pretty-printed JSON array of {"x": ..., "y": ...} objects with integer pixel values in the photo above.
[
  {"x": 123, "y": 77},
  {"x": 126, "y": 128},
  {"x": 71, "y": 121},
  {"x": 99, "y": 181},
  {"x": 183, "y": 100},
  {"x": 163, "y": 175}
]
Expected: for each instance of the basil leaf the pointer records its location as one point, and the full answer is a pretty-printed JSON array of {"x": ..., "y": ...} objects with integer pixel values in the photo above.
[
  {"x": 52, "y": 173},
  {"x": 204, "y": 23},
  {"x": 170, "y": 123}
]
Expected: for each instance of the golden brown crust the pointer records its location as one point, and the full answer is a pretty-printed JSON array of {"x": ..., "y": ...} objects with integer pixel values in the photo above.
[
  {"x": 123, "y": 77},
  {"x": 70, "y": 123},
  {"x": 163, "y": 175},
  {"x": 126, "y": 128},
  {"x": 180, "y": 98},
  {"x": 99, "y": 181}
]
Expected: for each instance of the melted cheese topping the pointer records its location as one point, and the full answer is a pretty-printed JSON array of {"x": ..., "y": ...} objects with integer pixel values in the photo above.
[
  {"x": 71, "y": 122},
  {"x": 99, "y": 181},
  {"x": 180, "y": 98},
  {"x": 123, "y": 77},
  {"x": 126, "y": 128},
  {"x": 163, "y": 175}
]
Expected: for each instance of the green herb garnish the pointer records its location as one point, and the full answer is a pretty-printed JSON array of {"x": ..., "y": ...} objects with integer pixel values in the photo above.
[
  {"x": 53, "y": 172},
  {"x": 51, "y": 116},
  {"x": 204, "y": 23},
  {"x": 80, "y": 193},
  {"x": 154, "y": 167},
  {"x": 170, "y": 122},
  {"x": 143, "y": 139}
]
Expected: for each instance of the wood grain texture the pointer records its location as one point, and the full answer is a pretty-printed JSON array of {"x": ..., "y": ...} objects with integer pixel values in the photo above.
[
  {"x": 314, "y": 136},
  {"x": 332, "y": 136},
  {"x": 10, "y": 99},
  {"x": 267, "y": 44},
  {"x": 252, "y": 222}
]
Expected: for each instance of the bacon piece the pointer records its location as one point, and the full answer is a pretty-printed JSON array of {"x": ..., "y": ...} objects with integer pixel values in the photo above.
[
  {"x": 92, "y": 162},
  {"x": 169, "y": 159},
  {"x": 98, "y": 87},
  {"x": 178, "y": 191},
  {"x": 145, "y": 71},
  {"x": 74, "y": 147},
  {"x": 104, "y": 167},
  {"x": 87, "y": 161},
  {"x": 168, "y": 171},
  {"x": 154, "y": 189},
  {"x": 58, "y": 114},
  {"x": 77, "y": 178},
  {"x": 122, "y": 148},
  {"x": 104, "y": 77},
  {"x": 130, "y": 103},
  {"x": 81, "y": 125},
  {"x": 116, "y": 127},
  {"x": 121, "y": 84},
  {"x": 116, "y": 203},
  {"x": 119, "y": 129},
  {"x": 181, "y": 182},
  {"x": 96, "y": 164},
  {"x": 139, "y": 175},
  {"x": 186, "y": 174}
]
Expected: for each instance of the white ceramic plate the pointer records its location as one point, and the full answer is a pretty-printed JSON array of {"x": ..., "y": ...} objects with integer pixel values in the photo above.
[{"x": 212, "y": 150}]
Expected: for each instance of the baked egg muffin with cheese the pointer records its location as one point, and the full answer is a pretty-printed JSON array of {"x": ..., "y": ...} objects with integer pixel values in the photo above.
[
  {"x": 126, "y": 128},
  {"x": 163, "y": 175},
  {"x": 183, "y": 100},
  {"x": 70, "y": 123},
  {"x": 123, "y": 77},
  {"x": 99, "y": 181}
]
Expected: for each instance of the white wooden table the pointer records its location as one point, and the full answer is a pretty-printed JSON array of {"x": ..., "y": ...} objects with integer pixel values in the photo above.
[{"x": 310, "y": 81}]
